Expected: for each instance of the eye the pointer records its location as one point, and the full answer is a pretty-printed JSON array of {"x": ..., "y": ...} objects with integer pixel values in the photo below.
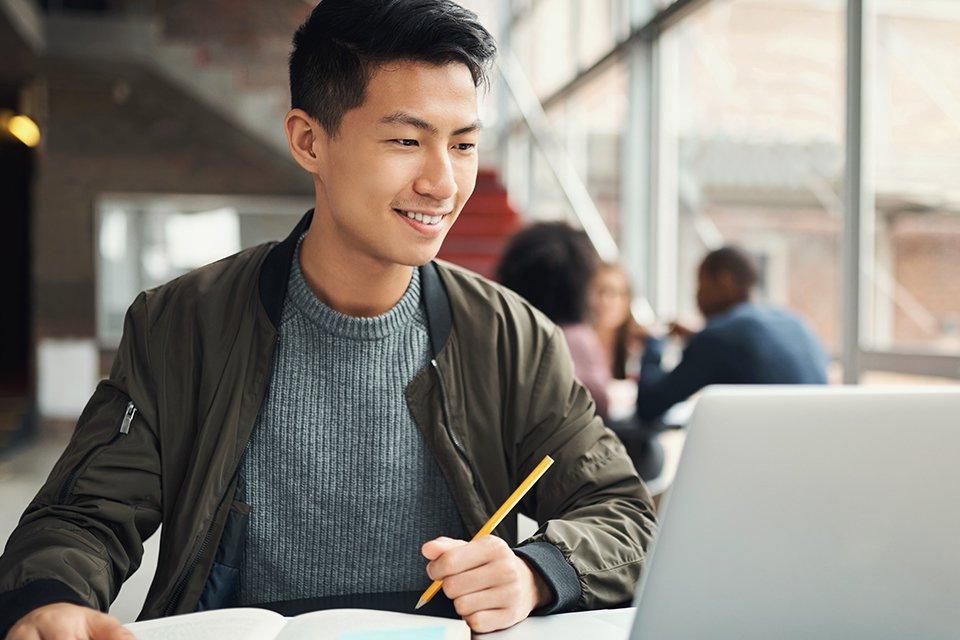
[
  {"x": 406, "y": 142},
  {"x": 466, "y": 146}
]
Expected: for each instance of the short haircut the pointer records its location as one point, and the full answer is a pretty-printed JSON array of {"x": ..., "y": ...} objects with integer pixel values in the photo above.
[
  {"x": 337, "y": 49},
  {"x": 551, "y": 265},
  {"x": 735, "y": 261}
]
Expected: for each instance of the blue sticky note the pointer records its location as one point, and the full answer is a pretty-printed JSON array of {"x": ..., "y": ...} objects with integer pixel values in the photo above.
[{"x": 429, "y": 633}]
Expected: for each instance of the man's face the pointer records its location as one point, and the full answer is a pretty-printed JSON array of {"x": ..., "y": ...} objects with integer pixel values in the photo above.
[{"x": 409, "y": 150}]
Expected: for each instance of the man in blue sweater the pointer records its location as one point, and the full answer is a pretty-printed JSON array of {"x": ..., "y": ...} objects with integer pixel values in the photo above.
[{"x": 743, "y": 342}]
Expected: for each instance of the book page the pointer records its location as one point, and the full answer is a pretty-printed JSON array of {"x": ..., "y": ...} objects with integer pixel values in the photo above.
[
  {"x": 365, "y": 624},
  {"x": 221, "y": 624}
]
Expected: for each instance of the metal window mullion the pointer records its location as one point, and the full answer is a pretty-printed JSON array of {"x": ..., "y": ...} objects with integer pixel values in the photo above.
[
  {"x": 638, "y": 235},
  {"x": 853, "y": 196},
  {"x": 914, "y": 364},
  {"x": 663, "y": 245},
  {"x": 505, "y": 46}
]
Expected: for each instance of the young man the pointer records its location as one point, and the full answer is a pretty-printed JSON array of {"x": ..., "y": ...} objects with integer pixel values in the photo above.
[
  {"x": 307, "y": 417},
  {"x": 743, "y": 342}
]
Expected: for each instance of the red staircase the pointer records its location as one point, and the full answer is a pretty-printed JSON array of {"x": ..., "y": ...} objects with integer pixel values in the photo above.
[{"x": 483, "y": 228}]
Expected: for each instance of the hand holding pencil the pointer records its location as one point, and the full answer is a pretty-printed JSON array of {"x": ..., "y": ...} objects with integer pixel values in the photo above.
[{"x": 491, "y": 587}]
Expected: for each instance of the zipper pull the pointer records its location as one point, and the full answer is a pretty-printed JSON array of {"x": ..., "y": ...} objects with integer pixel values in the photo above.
[{"x": 128, "y": 417}]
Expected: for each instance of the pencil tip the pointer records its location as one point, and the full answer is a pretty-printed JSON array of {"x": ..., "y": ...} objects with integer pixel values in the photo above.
[{"x": 420, "y": 603}]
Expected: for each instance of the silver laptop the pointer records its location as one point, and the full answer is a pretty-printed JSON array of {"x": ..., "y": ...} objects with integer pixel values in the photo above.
[{"x": 804, "y": 513}]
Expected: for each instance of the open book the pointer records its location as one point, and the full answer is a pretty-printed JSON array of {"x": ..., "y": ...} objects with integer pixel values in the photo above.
[{"x": 332, "y": 624}]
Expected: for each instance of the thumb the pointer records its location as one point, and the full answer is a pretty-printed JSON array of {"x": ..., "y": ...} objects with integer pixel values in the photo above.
[
  {"x": 438, "y": 546},
  {"x": 104, "y": 627}
]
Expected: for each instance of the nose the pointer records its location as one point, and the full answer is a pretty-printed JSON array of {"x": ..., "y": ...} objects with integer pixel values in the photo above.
[{"x": 436, "y": 179}]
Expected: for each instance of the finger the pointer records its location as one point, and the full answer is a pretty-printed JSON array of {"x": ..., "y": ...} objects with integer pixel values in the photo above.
[
  {"x": 104, "y": 627},
  {"x": 463, "y": 558},
  {"x": 489, "y": 620},
  {"x": 502, "y": 597},
  {"x": 433, "y": 549},
  {"x": 492, "y": 574},
  {"x": 121, "y": 633},
  {"x": 24, "y": 633}
]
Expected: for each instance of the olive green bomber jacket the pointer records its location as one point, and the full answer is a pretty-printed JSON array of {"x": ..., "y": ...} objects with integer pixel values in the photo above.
[{"x": 161, "y": 439}]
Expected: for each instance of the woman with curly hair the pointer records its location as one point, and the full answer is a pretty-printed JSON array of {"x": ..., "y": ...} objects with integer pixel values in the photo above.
[{"x": 552, "y": 264}]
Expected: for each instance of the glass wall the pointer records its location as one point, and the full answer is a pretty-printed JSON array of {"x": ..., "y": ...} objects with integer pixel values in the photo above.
[
  {"x": 913, "y": 128},
  {"x": 726, "y": 121},
  {"x": 591, "y": 124},
  {"x": 541, "y": 40},
  {"x": 752, "y": 124}
]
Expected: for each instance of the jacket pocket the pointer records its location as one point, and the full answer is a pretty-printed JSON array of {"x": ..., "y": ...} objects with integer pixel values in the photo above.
[
  {"x": 222, "y": 587},
  {"x": 122, "y": 429}
]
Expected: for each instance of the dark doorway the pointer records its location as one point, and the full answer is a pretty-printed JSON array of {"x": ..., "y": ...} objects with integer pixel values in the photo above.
[{"x": 16, "y": 341}]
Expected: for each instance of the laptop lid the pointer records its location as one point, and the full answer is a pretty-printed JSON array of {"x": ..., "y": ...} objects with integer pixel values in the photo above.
[{"x": 811, "y": 512}]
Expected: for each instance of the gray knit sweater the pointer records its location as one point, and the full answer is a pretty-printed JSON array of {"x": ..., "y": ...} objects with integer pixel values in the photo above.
[{"x": 343, "y": 490}]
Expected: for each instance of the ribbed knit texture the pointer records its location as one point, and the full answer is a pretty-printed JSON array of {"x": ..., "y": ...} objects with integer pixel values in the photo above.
[{"x": 343, "y": 489}]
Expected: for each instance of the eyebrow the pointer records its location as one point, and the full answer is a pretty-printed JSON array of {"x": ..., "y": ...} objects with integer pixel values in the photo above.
[{"x": 402, "y": 118}]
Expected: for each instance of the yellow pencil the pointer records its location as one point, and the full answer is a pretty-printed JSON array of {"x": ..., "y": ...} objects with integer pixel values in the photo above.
[{"x": 495, "y": 519}]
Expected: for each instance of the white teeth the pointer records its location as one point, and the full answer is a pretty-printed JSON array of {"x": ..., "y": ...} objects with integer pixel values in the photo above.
[{"x": 419, "y": 217}]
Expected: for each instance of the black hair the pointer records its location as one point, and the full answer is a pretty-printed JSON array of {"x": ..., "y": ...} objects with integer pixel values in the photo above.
[
  {"x": 551, "y": 265},
  {"x": 337, "y": 48},
  {"x": 735, "y": 261}
]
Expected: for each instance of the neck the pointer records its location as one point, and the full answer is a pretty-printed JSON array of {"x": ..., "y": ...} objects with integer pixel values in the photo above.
[
  {"x": 608, "y": 341},
  {"x": 347, "y": 280},
  {"x": 729, "y": 305},
  {"x": 607, "y": 335}
]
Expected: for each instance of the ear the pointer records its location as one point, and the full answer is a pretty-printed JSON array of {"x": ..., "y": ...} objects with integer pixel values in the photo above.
[{"x": 306, "y": 139}]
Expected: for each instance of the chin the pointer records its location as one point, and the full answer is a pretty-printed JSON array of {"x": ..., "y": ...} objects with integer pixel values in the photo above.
[{"x": 417, "y": 258}]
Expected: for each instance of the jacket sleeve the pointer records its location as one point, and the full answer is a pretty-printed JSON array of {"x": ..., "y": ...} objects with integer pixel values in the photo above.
[
  {"x": 591, "y": 505},
  {"x": 82, "y": 535},
  {"x": 659, "y": 390}
]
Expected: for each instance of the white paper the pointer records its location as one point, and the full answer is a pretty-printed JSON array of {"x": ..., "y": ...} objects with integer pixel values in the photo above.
[
  {"x": 336, "y": 624},
  {"x": 222, "y": 624}
]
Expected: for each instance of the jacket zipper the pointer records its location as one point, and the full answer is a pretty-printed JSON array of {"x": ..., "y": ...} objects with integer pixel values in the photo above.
[
  {"x": 128, "y": 418},
  {"x": 128, "y": 415},
  {"x": 449, "y": 429},
  {"x": 185, "y": 576}
]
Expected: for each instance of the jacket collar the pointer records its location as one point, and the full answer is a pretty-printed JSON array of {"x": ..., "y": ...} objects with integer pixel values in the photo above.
[{"x": 275, "y": 272}]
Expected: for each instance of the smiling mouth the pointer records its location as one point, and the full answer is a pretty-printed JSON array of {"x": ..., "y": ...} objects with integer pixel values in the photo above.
[{"x": 422, "y": 218}]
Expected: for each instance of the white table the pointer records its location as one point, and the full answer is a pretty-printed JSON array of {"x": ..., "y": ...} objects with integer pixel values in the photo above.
[{"x": 608, "y": 624}]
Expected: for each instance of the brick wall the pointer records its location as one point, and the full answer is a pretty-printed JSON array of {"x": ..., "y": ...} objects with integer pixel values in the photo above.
[{"x": 118, "y": 127}]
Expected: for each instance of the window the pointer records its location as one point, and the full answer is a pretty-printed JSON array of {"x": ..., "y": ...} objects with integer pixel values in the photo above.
[
  {"x": 542, "y": 42},
  {"x": 145, "y": 240},
  {"x": 599, "y": 25},
  {"x": 913, "y": 129},
  {"x": 591, "y": 124},
  {"x": 751, "y": 128}
]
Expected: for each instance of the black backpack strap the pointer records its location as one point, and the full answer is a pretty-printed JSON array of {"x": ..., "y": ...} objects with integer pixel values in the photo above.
[{"x": 437, "y": 305}]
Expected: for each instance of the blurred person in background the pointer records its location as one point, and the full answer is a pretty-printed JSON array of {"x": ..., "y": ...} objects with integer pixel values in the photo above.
[
  {"x": 552, "y": 264},
  {"x": 743, "y": 342},
  {"x": 620, "y": 335},
  {"x": 621, "y": 339}
]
